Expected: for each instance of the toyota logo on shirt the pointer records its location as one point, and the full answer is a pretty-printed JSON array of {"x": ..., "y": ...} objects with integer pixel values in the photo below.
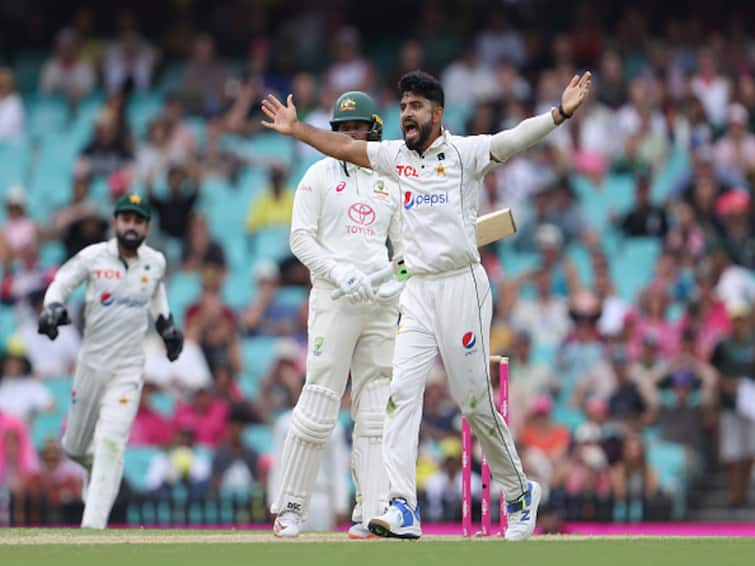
[
  {"x": 362, "y": 213},
  {"x": 363, "y": 216}
]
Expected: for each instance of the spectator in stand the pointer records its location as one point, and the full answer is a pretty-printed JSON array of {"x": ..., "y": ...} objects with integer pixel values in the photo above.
[
  {"x": 48, "y": 358},
  {"x": 109, "y": 151},
  {"x": 212, "y": 324},
  {"x": 443, "y": 488},
  {"x": 19, "y": 232},
  {"x": 546, "y": 316},
  {"x": 26, "y": 275},
  {"x": 734, "y": 211},
  {"x": 204, "y": 417},
  {"x": 59, "y": 480},
  {"x": 215, "y": 158},
  {"x": 20, "y": 394},
  {"x": 647, "y": 368},
  {"x": 18, "y": 459},
  {"x": 175, "y": 209},
  {"x": 150, "y": 428},
  {"x": 184, "y": 464},
  {"x": 12, "y": 116},
  {"x": 411, "y": 56},
  {"x": 467, "y": 79},
  {"x": 129, "y": 61},
  {"x": 267, "y": 315},
  {"x": 235, "y": 466},
  {"x": 734, "y": 358},
  {"x": 628, "y": 403},
  {"x": 705, "y": 319},
  {"x": 735, "y": 151},
  {"x": 685, "y": 238},
  {"x": 645, "y": 219},
  {"x": 280, "y": 388},
  {"x": 651, "y": 317},
  {"x": 181, "y": 142},
  {"x": 204, "y": 78},
  {"x": 612, "y": 88},
  {"x": 79, "y": 224},
  {"x": 711, "y": 87},
  {"x": 198, "y": 248},
  {"x": 634, "y": 482},
  {"x": 613, "y": 309},
  {"x": 529, "y": 379},
  {"x": 541, "y": 433},
  {"x": 272, "y": 209},
  {"x": 66, "y": 72},
  {"x": 439, "y": 413},
  {"x": 350, "y": 69},
  {"x": 501, "y": 41},
  {"x": 154, "y": 155},
  {"x": 735, "y": 283}
]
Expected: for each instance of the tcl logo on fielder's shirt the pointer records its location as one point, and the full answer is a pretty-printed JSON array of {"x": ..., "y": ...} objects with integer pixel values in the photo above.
[
  {"x": 406, "y": 171},
  {"x": 432, "y": 199},
  {"x": 363, "y": 215},
  {"x": 108, "y": 274}
]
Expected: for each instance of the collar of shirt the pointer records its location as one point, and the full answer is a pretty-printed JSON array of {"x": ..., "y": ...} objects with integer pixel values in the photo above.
[
  {"x": 112, "y": 248},
  {"x": 438, "y": 143}
]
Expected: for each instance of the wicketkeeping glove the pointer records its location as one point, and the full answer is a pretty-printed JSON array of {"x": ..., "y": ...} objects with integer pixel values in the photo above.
[
  {"x": 52, "y": 316},
  {"x": 171, "y": 335}
]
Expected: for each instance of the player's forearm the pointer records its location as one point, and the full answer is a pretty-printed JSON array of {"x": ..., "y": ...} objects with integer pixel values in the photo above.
[
  {"x": 527, "y": 133},
  {"x": 311, "y": 254},
  {"x": 339, "y": 146}
]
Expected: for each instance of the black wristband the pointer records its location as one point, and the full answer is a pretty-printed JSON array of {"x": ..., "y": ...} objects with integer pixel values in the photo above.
[{"x": 563, "y": 112}]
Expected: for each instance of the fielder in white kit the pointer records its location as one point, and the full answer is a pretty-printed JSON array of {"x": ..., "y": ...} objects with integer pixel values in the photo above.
[
  {"x": 446, "y": 307},
  {"x": 343, "y": 214},
  {"x": 125, "y": 286}
]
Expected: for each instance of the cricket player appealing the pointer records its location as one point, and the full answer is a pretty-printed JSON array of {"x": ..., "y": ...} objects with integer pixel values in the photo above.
[
  {"x": 446, "y": 306},
  {"x": 343, "y": 214},
  {"x": 125, "y": 286}
]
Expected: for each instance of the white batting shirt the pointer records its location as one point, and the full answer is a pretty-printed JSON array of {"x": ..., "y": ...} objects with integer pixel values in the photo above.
[
  {"x": 120, "y": 296},
  {"x": 344, "y": 216}
]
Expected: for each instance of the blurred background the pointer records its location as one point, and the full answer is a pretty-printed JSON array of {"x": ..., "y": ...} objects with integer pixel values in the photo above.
[{"x": 625, "y": 301}]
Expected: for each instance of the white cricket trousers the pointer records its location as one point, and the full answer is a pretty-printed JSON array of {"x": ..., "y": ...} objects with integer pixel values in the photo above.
[
  {"x": 450, "y": 315},
  {"x": 103, "y": 406}
]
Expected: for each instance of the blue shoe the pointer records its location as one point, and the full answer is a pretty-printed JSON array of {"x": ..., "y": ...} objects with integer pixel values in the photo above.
[
  {"x": 399, "y": 521},
  {"x": 522, "y": 514}
]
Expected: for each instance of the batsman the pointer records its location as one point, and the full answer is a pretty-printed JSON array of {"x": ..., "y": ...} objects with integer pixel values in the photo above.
[
  {"x": 343, "y": 214},
  {"x": 446, "y": 306},
  {"x": 124, "y": 287}
]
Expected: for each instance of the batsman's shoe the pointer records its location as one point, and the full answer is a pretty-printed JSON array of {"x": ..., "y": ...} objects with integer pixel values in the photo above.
[
  {"x": 399, "y": 521},
  {"x": 522, "y": 514},
  {"x": 287, "y": 525},
  {"x": 359, "y": 532}
]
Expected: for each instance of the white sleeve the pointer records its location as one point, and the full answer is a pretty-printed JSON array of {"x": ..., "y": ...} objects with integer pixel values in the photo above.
[
  {"x": 528, "y": 132},
  {"x": 394, "y": 234},
  {"x": 159, "y": 303},
  {"x": 382, "y": 156},
  {"x": 71, "y": 274},
  {"x": 304, "y": 226}
]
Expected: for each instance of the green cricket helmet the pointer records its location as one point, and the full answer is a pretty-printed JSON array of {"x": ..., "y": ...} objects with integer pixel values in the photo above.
[{"x": 359, "y": 106}]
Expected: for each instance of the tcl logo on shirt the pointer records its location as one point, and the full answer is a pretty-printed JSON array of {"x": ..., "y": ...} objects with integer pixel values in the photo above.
[
  {"x": 108, "y": 274},
  {"x": 431, "y": 199},
  {"x": 406, "y": 171},
  {"x": 363, "y": 215}
]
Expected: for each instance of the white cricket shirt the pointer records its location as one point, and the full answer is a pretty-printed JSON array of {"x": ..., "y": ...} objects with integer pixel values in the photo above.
[
  {"x": 120, "y": 296},
  {"x": 344, "y": 216},
  {"x": 440, "y": 192}
]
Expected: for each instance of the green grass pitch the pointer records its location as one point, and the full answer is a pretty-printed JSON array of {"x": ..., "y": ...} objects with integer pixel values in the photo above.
[{"x": 246, "y": 548}]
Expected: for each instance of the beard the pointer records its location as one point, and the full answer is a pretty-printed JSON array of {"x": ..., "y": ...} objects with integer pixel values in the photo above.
[
  {"x": 129, "y": 239},
  {"x": 423, "y": 134}
]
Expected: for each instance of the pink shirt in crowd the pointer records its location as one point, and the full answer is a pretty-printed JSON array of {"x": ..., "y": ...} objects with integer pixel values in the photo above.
[
  {"x": 27, "y": 456},
  {"x": 209, "y": 428},
  {"x": 150, "y": 428}
]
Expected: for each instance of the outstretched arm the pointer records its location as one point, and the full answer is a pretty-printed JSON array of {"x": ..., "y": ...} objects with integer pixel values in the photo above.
[
  {"x": 506, "y": 143},
  {"x": 284, "y": 121}
]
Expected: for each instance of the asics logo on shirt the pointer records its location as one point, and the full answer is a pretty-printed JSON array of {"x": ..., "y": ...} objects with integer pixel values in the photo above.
[{"x": 431, "y": 199}]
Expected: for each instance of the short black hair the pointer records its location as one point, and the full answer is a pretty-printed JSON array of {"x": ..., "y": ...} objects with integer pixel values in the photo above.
[{"x": 422, "y": 84}]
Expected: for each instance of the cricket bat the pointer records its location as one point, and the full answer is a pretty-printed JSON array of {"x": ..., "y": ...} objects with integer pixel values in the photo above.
[{"x": 491, "y": 227}]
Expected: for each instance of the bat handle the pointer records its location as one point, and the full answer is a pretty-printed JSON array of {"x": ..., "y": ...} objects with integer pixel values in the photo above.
[{"x": 374, "y": 278}]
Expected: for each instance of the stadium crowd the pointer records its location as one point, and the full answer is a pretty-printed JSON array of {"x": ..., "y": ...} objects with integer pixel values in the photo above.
[{"x": 625, "y": 301}]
